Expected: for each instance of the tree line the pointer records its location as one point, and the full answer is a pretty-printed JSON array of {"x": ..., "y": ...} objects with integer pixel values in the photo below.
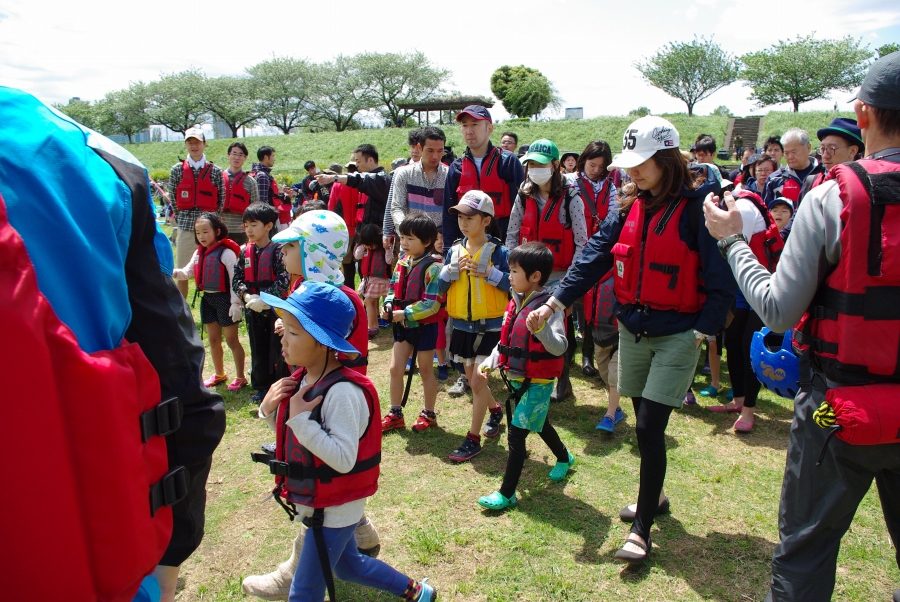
[
  {"x": 281, "y": 92},
  {"x": 794, "y": 71}
]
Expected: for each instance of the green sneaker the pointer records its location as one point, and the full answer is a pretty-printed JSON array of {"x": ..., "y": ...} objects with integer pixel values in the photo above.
[
  {"x": 498, "y": 501},
  {"x": 562, "y": 468}
]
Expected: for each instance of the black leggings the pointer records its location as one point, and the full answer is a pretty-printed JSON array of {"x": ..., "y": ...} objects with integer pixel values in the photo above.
[
  {"x": 738, "y": 337},
  {"x": 516, "y": 459},
  {"x": 651, "y": 421}
]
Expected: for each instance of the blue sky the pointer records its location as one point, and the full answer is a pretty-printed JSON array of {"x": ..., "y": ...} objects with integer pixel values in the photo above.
[{"x": 57, "y": 49}]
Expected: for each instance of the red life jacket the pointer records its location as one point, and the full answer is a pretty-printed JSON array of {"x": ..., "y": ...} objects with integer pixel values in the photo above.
[
  {"x": 595, "y": 205},
  {"x": 488, "y": 181},
  {"x": 373, "y": 265},
  {"x": 852, "y": 328},
  {"x": 547, "y": 228},
  {"x": 599, "y": 301},
  {"x": 210, "y": 274},
  {"x": 236, "y": 197},
  {"x": 343, "y": 201},
  {"x": 196, "y": 193},
  {"x": 301, "y": 477},
  {"x": 259, "y": 273},
  {"x": 653, "y": 266},
  {"x": 108, "y": 470},
  {"x": 359, "y": 332},
  {"x": 283, "y": 207},
  {"x": 768, "y": 244},
  {"x": 520, "y": 351},
  {"x": 410, "y": 288}
]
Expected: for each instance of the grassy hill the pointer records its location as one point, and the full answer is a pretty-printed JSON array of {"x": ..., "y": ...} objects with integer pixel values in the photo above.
[{"x": 328, "y": 147}]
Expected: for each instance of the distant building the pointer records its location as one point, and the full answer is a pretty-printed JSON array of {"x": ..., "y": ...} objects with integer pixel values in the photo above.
[{"x": 575, "y": 113}]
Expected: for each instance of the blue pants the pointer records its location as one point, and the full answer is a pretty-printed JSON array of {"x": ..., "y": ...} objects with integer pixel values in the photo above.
[{"x": 347, "y": 564}]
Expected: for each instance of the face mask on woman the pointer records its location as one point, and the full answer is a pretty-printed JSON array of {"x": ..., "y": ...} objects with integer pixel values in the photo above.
[{"x": 540, "y": 175}]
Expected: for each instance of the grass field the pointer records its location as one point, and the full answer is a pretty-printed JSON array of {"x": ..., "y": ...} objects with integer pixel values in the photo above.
[
  {"x": 328, "y": 147},
  {"x": 559, "y": 543}
]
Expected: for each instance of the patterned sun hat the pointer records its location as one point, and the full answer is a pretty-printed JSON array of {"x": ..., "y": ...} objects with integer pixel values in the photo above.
[{"x": 323, "y": 239}]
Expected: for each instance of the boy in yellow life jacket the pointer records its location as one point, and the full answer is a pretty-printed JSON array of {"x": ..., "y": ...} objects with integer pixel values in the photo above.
[{"x": 475, "y": 277}]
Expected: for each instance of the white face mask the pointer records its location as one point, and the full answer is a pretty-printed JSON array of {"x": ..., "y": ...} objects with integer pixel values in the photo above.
[{"x": 540, "y": 175}]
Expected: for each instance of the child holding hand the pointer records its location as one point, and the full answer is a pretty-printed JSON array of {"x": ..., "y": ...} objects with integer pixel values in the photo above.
[{"x": 532, "y": 358}]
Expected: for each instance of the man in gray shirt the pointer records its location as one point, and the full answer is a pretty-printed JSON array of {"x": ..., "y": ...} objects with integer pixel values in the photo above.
[{"x": 820, "y": 495}]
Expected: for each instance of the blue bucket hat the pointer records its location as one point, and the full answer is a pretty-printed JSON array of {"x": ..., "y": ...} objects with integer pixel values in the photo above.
[
  {"x": 324, "y": 312},
  {"x": 846, "y": 129}
]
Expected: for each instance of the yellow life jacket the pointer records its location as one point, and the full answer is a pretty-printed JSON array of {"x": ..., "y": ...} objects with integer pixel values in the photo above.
[{"x": 470, "y": 297}]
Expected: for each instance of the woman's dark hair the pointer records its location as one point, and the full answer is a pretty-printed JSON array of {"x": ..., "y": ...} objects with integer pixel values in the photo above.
[
  {"x": 557, "y": 182},
  {"x": 420, "y": 226},
  {"x": 313, "y": 205},
  {"x": 595, "y": 150},
  {"x": 675, "y": 177},
  {"x": 238, "y": 145},
  {"x": 260, "y": 212},
  {"x": 533, "y": 257},
  {"x": 762, "y": 159},
  {"x": 369, "y": 235},
  {"x": 216, "y": 223}
]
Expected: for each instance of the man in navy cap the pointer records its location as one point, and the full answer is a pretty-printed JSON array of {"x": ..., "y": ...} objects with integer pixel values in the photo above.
[
  {"x": 482, "y": 167},
  {"x": 841, "y": 142}
]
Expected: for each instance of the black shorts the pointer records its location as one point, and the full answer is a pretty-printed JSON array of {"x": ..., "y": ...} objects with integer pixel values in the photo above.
[
  {"x": 462, "y": 343},
  {"x": 427, "y": 334},
  {"x": 214, "y": 308}
]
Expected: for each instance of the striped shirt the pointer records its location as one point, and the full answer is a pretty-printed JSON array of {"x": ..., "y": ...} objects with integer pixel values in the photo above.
[
  {"x": 429, "y": 305},
  {"x": 412, "y": 192}
]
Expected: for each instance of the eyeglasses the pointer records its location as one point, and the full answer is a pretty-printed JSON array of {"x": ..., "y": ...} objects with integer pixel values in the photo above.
[
  {"x": 764, "y": 170},
  {"x": 829, "y": 150}
]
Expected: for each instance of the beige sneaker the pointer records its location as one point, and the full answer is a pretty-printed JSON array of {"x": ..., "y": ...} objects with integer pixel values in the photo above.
[
  {"x": 277, "y": 584},
  {"x": 367, "y": 540}
]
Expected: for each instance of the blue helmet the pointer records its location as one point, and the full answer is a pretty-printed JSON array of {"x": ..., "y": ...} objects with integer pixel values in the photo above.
[{"x": 774, "y": 362}]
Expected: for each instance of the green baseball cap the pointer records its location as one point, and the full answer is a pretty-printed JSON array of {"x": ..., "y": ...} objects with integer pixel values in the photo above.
[{"x": 542, "y": 151}]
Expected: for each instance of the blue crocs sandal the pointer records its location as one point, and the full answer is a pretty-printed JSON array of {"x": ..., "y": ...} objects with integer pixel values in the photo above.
[
  {"x": 711, "y": 391},
  {"x": 608, "y": 423},
  {"x": 498, "y": 501},
  {"x": 561, "y": 469},
  {"x": 427, "y": 593}
]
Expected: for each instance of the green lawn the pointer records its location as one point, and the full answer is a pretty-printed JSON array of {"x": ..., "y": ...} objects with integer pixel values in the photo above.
[
  {"x": 328, "y": 147},
  {"x": 559, "y": 543}
]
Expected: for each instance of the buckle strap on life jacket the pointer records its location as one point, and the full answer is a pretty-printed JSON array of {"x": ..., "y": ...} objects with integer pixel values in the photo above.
[
  {"x": 519, "y": 353},
  {"x": 323, "y": 473},
  {"x": 666, "y": 216},
  {"x": 877, "y": 303},
  {"x": 667, "y": 269},
  {"x": 316, "y": 522},
  {"x": 514, "y": 396},
  {"x": 162, "y": 420},
  {"x": 169, "y": 490}
]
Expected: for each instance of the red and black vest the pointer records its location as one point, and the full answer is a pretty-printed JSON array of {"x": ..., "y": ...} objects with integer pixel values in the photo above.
[
  {"x": 109, "y": 476},
  {"x": 546, "y": 228},
  {"x": 653, "y": 266},
  {"x": 599, "y": 302},
  {"x": 520, "y": 351},
  {"x": 359, "y": 331},
  {"x": 852, "y": 328},
  {"x": 196, "y": 192},
  {"x": 488, "y": 181},
  {"x": 210, "y": 274},
  {"x": 259, "y": 271},
  {"x": 410, "y": 288},
  {"x": 768, "y": 244},
  {"x": 374, "y": 264},
  {"x": 596, "y": 205},
  {"x": 283, "y": 207},
  {"x": 237, "y": 199},
  {"x": 301, "y": 477}
]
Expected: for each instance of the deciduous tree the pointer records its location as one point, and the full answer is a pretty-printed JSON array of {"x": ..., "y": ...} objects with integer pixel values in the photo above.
[
  {"x": 232, "y": 100},
  {"x": 176, "y": 100},
  {"x": 283, "y": 87},
  {"x": 400, "y": 78},
  {"x": 125, "y": 111},
  {"x": 341, "y": 92},
  {"x": 523, "y": 91}
]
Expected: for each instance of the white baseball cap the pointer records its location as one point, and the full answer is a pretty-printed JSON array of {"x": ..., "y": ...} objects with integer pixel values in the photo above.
[
  {"x": 473, "y": 201},
  {"x": 195, "y": 133},
  {"x": 643, "y": 138}
]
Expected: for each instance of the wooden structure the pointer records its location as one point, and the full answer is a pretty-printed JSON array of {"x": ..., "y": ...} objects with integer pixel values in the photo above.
[{"x": 455, "y": 104}]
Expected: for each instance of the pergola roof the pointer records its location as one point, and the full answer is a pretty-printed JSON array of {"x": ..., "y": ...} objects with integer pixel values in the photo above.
[{"x": 449, "y": 103}]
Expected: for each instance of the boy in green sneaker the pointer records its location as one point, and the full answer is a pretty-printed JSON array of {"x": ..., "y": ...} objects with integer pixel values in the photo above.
[{"x": 532, "y": 359}]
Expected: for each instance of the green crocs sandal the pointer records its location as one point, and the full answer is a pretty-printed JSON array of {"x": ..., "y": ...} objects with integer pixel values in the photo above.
[
  {"x": 498, "y": 501},
  {"x": 561, "y": 469}
]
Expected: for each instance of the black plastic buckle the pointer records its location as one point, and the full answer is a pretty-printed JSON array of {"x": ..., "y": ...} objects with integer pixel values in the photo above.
[
  {"x": 279, "y": 468},
  {"x": 162, "y": 420},
  {"x": 169, "y": 490}
]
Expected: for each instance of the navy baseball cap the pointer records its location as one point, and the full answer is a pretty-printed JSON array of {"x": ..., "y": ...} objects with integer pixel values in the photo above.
[
  {"x": 324, "y": 312},
  {"x": 476, "y": 111},
  {"x": 782, "y": 201},
  {"x": 845, "y": 128}
]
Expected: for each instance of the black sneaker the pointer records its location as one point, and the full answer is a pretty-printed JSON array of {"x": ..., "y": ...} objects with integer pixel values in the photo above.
[
  {"x": 492, "y": 428},
  {"x": 269, "y": 448},
  {"x": 468, "y": 450}
]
